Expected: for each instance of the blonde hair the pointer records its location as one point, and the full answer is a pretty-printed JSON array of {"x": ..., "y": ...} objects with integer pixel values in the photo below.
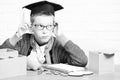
[{"x": 40, "y": 14}]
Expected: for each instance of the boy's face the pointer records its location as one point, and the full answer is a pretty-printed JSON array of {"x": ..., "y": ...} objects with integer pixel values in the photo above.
[{"x": 43, "y": 28}]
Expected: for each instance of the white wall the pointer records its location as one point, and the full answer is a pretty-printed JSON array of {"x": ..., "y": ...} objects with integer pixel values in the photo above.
[{"x": 92, "y": 24}]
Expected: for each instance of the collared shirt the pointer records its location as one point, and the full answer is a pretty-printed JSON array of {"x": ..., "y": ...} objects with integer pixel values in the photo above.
[
  {"x": 39, "y": 54},
  {"x": 42, "y": 52}
]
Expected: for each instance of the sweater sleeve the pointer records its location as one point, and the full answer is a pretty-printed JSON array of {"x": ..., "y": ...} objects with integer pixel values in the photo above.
[
  {"x": 77, "y": 55},
  {"x": 6, "y": 44},
  {"x": 22, "y": 46}
]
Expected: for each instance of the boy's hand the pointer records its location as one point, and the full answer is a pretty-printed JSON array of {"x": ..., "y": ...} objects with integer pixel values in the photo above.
[
  {"x": 25, "y": 28},
  {"x": 60, "y": 37}
]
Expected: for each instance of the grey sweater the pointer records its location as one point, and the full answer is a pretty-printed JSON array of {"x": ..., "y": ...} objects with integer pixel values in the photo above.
[{"x": 70, "y": 53}]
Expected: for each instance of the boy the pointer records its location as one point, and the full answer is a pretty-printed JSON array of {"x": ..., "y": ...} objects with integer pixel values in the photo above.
[{"x": 41, "y": 47}]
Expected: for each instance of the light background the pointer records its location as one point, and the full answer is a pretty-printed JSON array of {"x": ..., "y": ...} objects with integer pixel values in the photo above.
[{"x": 92, "y": 24}]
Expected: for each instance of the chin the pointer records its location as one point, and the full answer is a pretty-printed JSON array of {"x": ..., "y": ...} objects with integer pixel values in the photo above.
[{"x": 44, "y": 40}]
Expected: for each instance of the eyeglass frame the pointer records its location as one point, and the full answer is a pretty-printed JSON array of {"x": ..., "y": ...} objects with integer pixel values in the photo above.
[{"x": 38, "y": 26}]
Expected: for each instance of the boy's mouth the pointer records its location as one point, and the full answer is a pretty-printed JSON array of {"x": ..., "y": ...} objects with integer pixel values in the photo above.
[{"x": 44, "y": 37}]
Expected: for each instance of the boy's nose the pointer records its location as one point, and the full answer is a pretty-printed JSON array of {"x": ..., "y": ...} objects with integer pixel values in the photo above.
[{"x": 45, "y": 30}]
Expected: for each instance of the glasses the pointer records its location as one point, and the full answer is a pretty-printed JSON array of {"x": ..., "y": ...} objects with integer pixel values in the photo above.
[{"x": 41, "y": 27}]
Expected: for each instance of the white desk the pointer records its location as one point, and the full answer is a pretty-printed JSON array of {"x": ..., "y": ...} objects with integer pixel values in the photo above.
[{"x": 34, "y": 75}]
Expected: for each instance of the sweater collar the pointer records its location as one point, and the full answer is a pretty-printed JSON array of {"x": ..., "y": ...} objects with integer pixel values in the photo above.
[{"x": 48, "y": 45}]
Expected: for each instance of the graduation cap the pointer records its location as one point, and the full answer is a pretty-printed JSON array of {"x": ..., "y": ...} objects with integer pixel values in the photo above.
[{"x": 43, "y": 6}]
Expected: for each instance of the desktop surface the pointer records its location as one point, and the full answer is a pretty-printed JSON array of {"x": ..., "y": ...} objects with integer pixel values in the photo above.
[{"x": 36, "y": 75}]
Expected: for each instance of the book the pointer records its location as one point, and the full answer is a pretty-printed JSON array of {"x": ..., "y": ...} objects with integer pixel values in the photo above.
[
  {"x": 68, "y": 69},
  {"x": 80, "y": 73},
  {"x": 8, "y": 53}
]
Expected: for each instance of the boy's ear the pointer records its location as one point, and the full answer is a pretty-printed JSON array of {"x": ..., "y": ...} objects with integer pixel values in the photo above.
[
  {"x": 55, "y": 31},
  {"x": 55, "y": 24}
]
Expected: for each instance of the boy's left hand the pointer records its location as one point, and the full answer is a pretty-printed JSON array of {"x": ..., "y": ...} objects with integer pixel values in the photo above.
[{"x": 60, "y": 37}]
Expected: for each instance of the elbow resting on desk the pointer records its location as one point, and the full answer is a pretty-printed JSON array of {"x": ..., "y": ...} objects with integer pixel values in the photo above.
[{"x": 79, "y": 62}]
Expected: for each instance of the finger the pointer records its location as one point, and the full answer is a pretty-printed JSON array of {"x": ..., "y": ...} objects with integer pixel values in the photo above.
[
  {"x": 22, "y": 27},
  {"x": 26, "y": 26}
]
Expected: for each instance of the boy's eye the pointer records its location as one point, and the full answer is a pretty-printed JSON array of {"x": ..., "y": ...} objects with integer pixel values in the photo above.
[
  {"x": 49, "y": 26},
  {"x": 35, "y": 25},
  {"x": 38, "y": 25},
  {"x": 41, "y": 26}
]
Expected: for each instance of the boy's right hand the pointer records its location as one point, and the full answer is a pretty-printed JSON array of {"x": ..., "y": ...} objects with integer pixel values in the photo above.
[{"x": 25, "y": 28}]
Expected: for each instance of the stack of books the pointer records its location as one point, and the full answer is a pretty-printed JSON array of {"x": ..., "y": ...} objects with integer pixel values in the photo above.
[{"x": 8, "y": 53}]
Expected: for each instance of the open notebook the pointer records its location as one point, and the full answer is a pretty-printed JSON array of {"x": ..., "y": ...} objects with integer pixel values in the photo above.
[{"x": 68, "y": 69}]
